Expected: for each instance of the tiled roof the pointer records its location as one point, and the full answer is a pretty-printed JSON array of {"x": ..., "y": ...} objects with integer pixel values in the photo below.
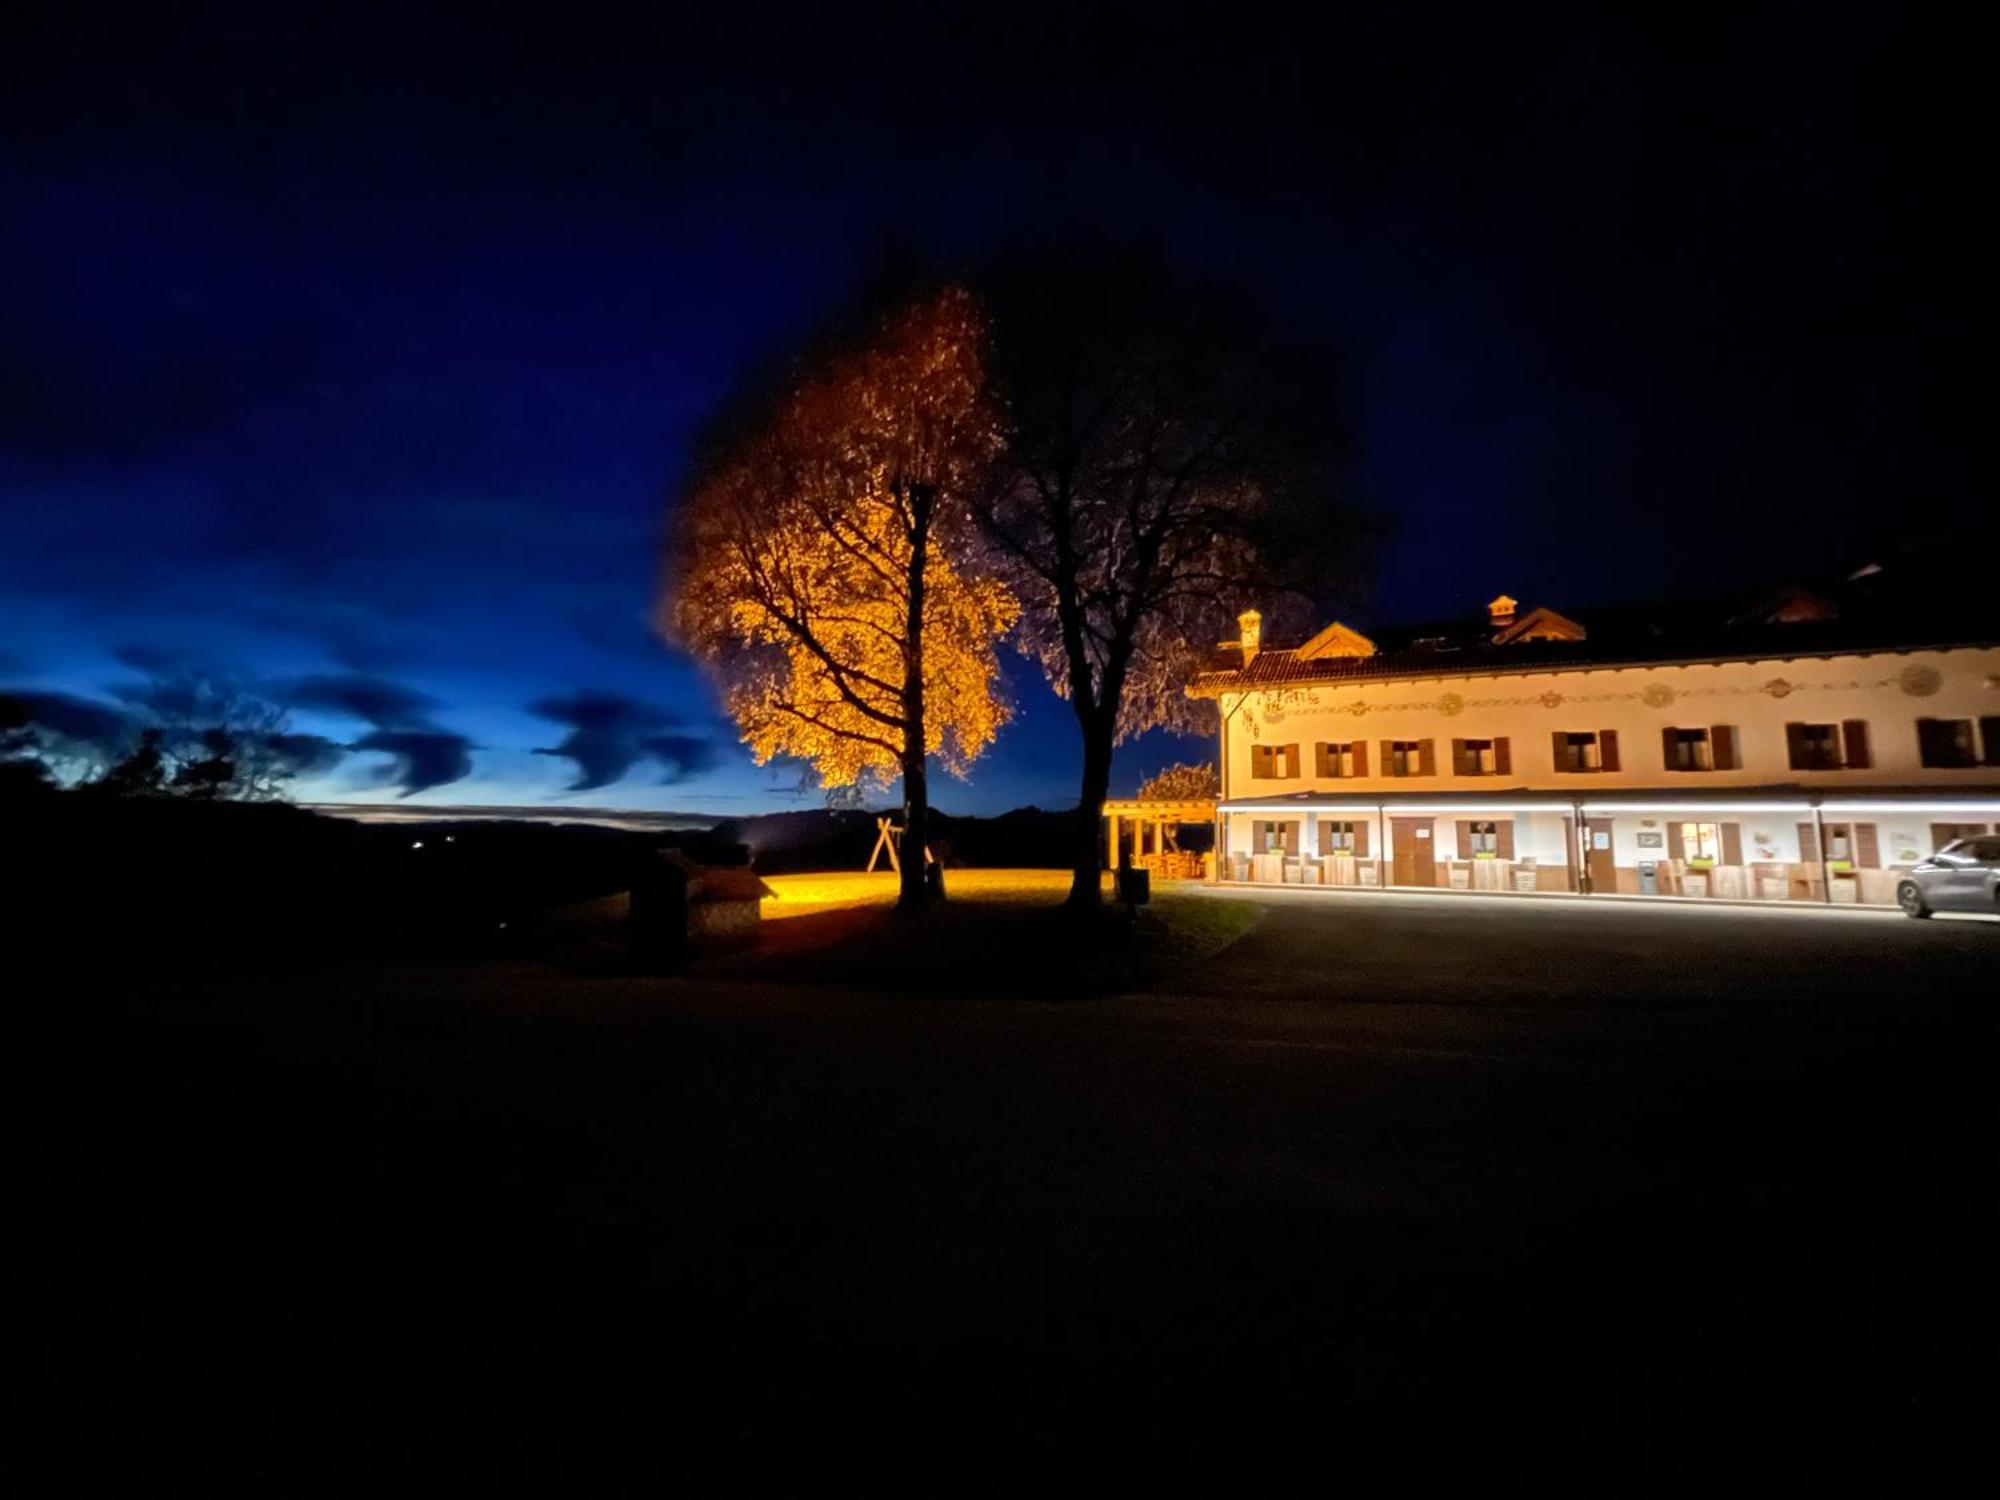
[{"x": 1620, "y": 639}]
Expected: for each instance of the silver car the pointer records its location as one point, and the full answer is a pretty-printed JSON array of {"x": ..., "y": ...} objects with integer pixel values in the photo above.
[{"x": 1962, "y": 876}]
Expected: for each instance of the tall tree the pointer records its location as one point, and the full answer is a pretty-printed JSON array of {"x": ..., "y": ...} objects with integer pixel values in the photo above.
[
  {"x": 826, "y": 564},
  {"x": 1162, "y": 452}
]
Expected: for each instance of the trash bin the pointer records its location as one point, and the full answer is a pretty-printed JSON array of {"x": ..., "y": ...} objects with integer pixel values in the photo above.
[
  {"x": 1135, "y": 887},
  {"x": 1649, "y": 877}
]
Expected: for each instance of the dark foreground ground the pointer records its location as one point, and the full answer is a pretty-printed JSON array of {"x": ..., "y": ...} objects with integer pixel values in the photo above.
[{"x": 1617, "y": 1201}]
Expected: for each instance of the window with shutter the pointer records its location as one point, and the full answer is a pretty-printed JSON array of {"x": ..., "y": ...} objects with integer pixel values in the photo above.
[
  {"x": 1814, "y": 747},
  {"x": 1854, "y": 744},
  {"x": 1989, "y": 738},
  {"x": 1722, "y": 747},
  {"x": 1946, "y": 743}
]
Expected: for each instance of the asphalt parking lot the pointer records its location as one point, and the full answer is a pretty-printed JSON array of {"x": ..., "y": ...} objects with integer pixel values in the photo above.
[{"x": 1630, "y": 1199}]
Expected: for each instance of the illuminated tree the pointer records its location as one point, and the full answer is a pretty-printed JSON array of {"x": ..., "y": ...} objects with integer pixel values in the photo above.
[
  {"x": 825, "y": 563},
  {"x": 1160, "y": 454},
  {"x": 1183, "y": 784}
]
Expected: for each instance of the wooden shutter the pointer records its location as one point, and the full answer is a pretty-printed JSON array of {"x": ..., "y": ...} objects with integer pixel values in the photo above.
[
  {"x": 1669, "y": 743},
  {"x": 1388, "y": 757},
  {"x": 1361, "y": 757},
  {"x": 1607, "y": 749},
  {"x": 1458, "y": 765},
  {"x": 1360, "y": 840},
  {"x": 1427, "y": 764},
  {"x": 1676, "y": 842},
  {"x": 1503, "y": 838},
  {"x": 1503, "y": 755},
  {"x": 1322, "y": 760},
  {"x": 1464, "y": 839},
  {"x": 1732, "y": 843},
  {"x": 1989, "y": 739},
  {"x": 1558, "y": 751},
  {"x": 1722, "y": 747},
  {"x": 1867, "y": 847},
  {"x": 1808, "y": 844},
  {"x": 1854, "y": 744},
  {"x": 1795, "y": 745}
]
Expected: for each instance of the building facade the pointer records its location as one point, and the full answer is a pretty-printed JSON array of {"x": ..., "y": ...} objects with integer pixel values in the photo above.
[{"x": 1799, "y": 751}]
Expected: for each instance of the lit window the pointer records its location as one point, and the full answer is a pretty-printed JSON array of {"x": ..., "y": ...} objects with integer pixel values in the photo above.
[
  {"x": 1337, "y": 760},
  {"x": 1474, "y": 758},
  {"x": 1274, "y": 762},
  {"x": 1485, "y": 841},
  {"x": 1578, "y": 752},
  {"x": 1701, "y": 843},
  {"x": 1405, "y": 758}
]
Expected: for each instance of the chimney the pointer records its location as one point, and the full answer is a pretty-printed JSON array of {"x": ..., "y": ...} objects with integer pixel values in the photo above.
[
  {"x": 1252, "y": 625},
  {"x": 1501, "y": 611}
]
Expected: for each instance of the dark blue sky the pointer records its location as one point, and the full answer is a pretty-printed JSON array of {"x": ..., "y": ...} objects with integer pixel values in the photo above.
[{"x": 353, "y": 354}]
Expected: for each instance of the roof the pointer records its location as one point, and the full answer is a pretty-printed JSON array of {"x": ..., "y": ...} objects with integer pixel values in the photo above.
[{"x": 1789, "y": 622}]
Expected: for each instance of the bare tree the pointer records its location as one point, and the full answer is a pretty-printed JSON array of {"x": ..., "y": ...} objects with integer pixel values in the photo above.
[{"x": 1161, "y": 451}]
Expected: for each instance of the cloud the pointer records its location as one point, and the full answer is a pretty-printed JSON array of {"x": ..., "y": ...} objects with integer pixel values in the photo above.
[
  {"x": 609, "y": 734},
  {"x": 304, "y": 754},
  {"x": 682, "y": 756},
  {"x": 375, "y": 700},
  {"x": 79, "y": 722},
  {"x": 422, "y": 758}
]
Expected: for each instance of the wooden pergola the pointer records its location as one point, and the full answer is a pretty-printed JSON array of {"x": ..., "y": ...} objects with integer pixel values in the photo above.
[{"x": 1156, "y": 822}]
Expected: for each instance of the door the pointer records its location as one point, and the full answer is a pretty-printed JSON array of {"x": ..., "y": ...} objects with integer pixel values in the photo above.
[
  {"x": 1599, "y": 860},
  {"x": 1416, "y": 861}
]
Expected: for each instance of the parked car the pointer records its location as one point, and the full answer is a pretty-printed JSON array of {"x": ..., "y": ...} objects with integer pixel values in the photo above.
[{"x": 1962, "y": 876}]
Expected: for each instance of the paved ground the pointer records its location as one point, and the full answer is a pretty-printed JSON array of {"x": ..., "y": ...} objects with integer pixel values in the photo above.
[{"x": 1621, "y": 1199}]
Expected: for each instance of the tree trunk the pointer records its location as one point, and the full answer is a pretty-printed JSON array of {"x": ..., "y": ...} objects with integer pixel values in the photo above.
[
  {"x": 914, "y": 893},
  {"x": 1086, "y": 885}
]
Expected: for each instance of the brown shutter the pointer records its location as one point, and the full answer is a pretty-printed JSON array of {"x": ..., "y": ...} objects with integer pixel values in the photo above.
[
  {"x": 1321, "y": 760},
  {"x": 1361, "y": 757},
  {"x": 1808, "y": 844},
  {"x": 1722, "y": 747},
  {"x": 1503, "y": 838},
  {"x": 1732, "y": 843},
  {"x": 1989, "y": 739},
  {"x": 1795, "y": 745},
  {"x": 1867, "y": 848},
  {"x": 1667, "y": 749},
  {"x": 1427, "y": 763},
  {"x": 1464, "y": 839},
  {"x": 1607, "y": 749},
  {"x": 1854, "y": 744},
  {"x": 1676, "y": 842},
  {"x": 1388, "y": 758},
  {"x": 1292, "y": 762},
  {"x": 1503, "y": 756},
  {"x": 1558, "y": 744},
  {"x": 1360, "y": 840},
  {"x": 1458, "y": 767}
]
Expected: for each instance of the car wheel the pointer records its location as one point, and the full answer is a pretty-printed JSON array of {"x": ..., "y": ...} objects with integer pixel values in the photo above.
[{"x": 1912, "y": 900}]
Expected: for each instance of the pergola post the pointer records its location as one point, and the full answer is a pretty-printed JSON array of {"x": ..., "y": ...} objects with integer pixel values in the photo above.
[{"x": 1111, "y": 842}]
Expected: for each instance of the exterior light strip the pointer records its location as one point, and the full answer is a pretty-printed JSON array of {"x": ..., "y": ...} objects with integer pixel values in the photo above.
[
  {"x": 1989, "y": 808},
  {"x": 1694, "y": 807}
]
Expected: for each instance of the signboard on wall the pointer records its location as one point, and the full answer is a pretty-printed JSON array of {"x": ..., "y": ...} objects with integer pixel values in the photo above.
[
  {"x": 1600, "y": 839},
  {"x": 1650, "y": 841}
]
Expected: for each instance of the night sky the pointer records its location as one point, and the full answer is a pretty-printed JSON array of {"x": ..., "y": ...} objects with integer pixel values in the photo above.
[{"x": 354, "y": 354}]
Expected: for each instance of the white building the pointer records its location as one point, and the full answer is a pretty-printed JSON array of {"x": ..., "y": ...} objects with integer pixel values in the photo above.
[{"x": 1805, "y": 750}]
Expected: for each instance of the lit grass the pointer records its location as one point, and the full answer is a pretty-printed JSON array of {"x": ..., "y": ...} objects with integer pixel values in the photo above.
[{"x": 1003, "y": 932}]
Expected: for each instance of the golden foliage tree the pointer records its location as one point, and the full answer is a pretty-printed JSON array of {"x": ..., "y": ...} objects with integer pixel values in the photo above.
[{"x": 825, "y": 564}]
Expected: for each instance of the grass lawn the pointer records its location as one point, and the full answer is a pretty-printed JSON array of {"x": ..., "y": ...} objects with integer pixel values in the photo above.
[{"x": 1001, "y": 933}]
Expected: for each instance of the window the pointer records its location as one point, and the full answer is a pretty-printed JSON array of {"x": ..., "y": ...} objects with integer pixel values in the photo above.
[
  {"x": 1828, "y": 747},
  {"x": 1343, "y": 838},
  {"x": 1701, "y": 843},
  {"x": 1946, "y": 743},
  {"x": 1586, "y": 750},
  {"x": 1485, "y": 841},
  {"x": 1274, "y": 762},
  {"x": 1407, "y": 758},
  {"x": 1274, "y": 837},
  {"x": 1341, "y": 760},
  {"x": 1688, "y": 750},
  {"x": 1481, "y": 757}
]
